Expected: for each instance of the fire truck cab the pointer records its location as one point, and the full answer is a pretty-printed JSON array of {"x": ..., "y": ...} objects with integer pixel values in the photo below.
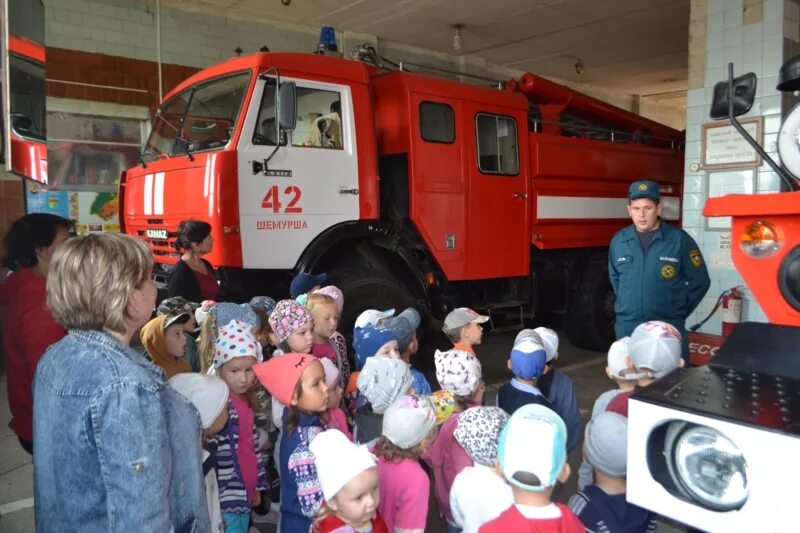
[{"x": 405, "y": 188}]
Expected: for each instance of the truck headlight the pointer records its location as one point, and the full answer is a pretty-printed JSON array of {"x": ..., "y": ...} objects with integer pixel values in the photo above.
[
  {"x": 709, "y": 468},
  {"x": 760, "y": 239}
]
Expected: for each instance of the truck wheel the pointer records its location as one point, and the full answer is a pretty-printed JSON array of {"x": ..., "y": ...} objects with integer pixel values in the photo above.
[
  {"x": 590, "y": 319},
  {"x": 368, "y": 289}
]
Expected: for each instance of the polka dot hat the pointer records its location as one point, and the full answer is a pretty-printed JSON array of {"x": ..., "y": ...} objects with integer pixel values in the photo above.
[{"x": 235, "y": 339}]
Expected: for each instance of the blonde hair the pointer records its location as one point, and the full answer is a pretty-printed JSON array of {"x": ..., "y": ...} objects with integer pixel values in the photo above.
[
  {"x": 91, "y": 279},
  {"x": 316, "y": 299},
  {"x": 207, "y": 342}
]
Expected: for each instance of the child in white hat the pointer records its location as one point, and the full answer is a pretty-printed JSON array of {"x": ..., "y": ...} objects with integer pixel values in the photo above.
[
  {"x": 479, "y": 493},
  {"x": 602, "y": 505},
  {"x": 619, "y": 368},
  {"x": 460, "y": 373},
  {"x": 532, "y": 455},
  {"x": 348, "y": 476},
  {"x": 655, "y": 351},
  {"x": 241, "y": 470},
  {"x": 381, "y": 382},
  {"x": 209, "y": 395},
  {"x": 409, "y": 427}
]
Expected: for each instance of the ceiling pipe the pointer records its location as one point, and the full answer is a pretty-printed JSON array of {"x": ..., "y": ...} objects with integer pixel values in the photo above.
[{"x": 158, "y": 48}]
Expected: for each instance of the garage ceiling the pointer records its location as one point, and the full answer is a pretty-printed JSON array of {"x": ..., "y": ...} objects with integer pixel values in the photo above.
[{"x": 626, "y": 46}]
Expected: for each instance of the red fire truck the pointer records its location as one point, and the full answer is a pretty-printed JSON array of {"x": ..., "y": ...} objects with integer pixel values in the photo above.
[
  {"x": 27, "y": 105},
  {"x": 404, "y": 188}
]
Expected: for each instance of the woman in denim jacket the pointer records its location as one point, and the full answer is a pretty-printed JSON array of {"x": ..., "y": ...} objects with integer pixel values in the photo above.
[{"x": 115, "y": 448}]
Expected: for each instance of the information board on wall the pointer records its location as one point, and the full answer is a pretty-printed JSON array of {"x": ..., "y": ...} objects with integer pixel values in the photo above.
[{"x": 722, "y": 146}]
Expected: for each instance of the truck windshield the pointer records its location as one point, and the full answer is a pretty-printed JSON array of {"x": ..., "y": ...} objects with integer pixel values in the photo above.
[
  {"x": 26, "y": 93},
  {"x": 202, "y": 117}
]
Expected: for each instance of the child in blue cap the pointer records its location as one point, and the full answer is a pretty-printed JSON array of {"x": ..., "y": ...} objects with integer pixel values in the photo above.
[{"x": 527, "y": 362}]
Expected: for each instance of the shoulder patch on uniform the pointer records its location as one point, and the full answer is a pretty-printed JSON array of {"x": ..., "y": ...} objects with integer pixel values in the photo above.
[
  {"x": 667, "y": 271},
  {"x": 696, "y": 257}
]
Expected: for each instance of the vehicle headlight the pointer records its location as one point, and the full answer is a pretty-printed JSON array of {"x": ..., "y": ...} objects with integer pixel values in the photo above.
[
  {"x": 710, "y": 468},
  {"x": 760, "y": 239}
]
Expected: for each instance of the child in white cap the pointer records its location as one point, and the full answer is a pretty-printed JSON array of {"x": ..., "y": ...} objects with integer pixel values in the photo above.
[
  {"x": 460, "y": 373},
  {"x": 619, "y": 368},
  {"x": 559, "y": 388},
  {"x": 348, "y": 476},
  {"x": 209, "y": 395},
  {"x": 409, "y": 427},
  {"x": 602, "y": 506},
  {"x": 655, "y": 351},
  {"x": 479, "y": 493},
  {"x": 532, "y": 456},
  {"x": 241, "y": 471},
  {"x": 334, "y": 417}
]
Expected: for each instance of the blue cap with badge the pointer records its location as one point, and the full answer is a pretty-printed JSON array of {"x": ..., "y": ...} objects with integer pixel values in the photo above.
[{"x": 644, "y": 189}]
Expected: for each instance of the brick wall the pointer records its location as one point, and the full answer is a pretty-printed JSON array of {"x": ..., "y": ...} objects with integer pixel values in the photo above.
[
  {"x": 99, "y": 69},
  {"x": 12, "y": 205}
]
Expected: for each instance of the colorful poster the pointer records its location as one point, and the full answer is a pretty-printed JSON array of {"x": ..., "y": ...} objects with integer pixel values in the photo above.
[
  {"x": 39, "y": 200},
  {"x": 97, "y": 211},
  {"x": 89, "y": 211}
]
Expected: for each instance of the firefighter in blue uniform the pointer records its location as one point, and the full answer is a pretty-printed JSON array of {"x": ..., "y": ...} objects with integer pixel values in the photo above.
[{"x": 656, "y": 270}]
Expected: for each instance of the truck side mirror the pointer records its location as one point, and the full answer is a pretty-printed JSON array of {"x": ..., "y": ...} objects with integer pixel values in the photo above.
[
  {"x": 287, "y": 110},
  {"x": 742, "y": 95}
]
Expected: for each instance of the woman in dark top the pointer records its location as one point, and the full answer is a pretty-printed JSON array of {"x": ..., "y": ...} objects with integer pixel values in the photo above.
[{"x": 194, "y": 277}]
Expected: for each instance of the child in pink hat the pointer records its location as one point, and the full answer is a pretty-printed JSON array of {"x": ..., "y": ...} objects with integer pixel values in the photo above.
[{"x": 297, "y": 380}]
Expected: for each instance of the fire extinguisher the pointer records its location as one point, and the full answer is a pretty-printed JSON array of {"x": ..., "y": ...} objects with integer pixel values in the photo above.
[
  {"x": 731, "y": 302},
  {"x": 731, "y": 310}
]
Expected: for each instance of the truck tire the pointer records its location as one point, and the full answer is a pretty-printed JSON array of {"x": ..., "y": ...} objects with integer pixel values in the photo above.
[
  {"x": 590, "y": 318},
  {"x": 368, "y": 289}
]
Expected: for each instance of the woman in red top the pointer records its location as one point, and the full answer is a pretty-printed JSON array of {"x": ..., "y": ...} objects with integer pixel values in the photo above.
[
  {"x": 194, "y": 277},
  {"x": 28, "y": 326}
]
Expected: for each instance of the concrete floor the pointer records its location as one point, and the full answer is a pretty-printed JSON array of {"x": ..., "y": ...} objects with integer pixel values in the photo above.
[{"x": 586, "y": 368}]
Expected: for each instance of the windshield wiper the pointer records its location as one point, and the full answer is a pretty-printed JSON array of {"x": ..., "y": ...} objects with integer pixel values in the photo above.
[{"x": 185, "y": 143}]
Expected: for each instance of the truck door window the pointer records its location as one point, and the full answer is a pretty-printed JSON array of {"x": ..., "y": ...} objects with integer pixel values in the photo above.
[
  {"x": 319, "y": 119},
  {"x": 496, "y": 138},
  {"x": 26, "y": 95},
  {"x": 437, "y": 122}
]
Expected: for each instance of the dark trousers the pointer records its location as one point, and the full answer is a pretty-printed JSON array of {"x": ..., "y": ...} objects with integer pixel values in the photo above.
[{"x": 27, "y": 445}]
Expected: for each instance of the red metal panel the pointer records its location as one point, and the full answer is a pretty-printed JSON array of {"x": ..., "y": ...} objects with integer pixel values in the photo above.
[
  {"x": 24, "y": 47},
  {"x": 184, "y": 197},
  {"x": 761, "y": 274},
  {"x": 499, "y": 207},
  {"x": 438, "y": 192},
  {"x": 570, "y": 167}
]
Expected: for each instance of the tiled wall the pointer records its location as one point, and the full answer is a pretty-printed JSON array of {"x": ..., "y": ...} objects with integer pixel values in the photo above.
[{"x": 752, "y": 35}]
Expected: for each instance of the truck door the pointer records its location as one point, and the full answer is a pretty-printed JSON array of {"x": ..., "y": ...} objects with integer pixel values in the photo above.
[
  {"x": 309, "y": 185},
  {"x": 498, "y": 204}
]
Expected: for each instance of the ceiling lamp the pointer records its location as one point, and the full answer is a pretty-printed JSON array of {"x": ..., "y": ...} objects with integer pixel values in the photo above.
[{"x": 457, "y": 37}]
